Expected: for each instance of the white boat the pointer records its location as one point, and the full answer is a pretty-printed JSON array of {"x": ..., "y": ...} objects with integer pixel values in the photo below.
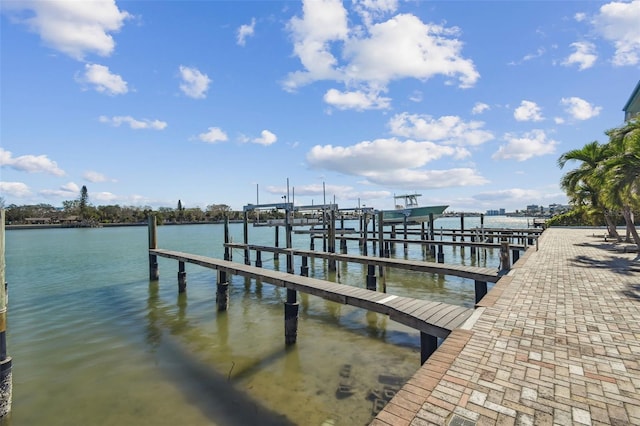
[{"x": 410, "y": 211}]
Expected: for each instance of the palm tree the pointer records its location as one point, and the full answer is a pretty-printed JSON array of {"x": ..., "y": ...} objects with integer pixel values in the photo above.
[
  {"x": 582, "y": 184},
  {"x": 621, "y": 173}
]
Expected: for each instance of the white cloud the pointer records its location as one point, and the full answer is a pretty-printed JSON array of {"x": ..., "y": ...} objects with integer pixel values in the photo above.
[
  {"x": 580, "y": 16},
  {"x": 103, "y": 80},
  {"x": 104, "y": 197},
  {"x": 405, "y": 47},
  {"x": 356, "y": 100},
  {"x": 213, "y": 135},
  {"x": 378, "y": 156},
  {"x": 531, "y": 144},
  {"x": 451, "y": 130},
  {"x": 14, "y": 189},
  {"x": 68, "y": 190},
  {"x": 528, "y": 111},
  {"x": 75, "y": 28},
  {"x": 558, "y": 120},
  {"x": 95, "y": 177},
  {"x": 30, "y": 163},
  {"x": 529, "y": 56},
  {"x": 367, "y": 58},
  {"x": 617, "y": 22},
  {"x": 391, "y": 162},
  {"x": 584, "y": 55},
  {"x": 479, "y": 108},
  {"x": 245, "y": 31},
  {"x": 194, "y": 83},
  {"x": 266, "y": 138},
  {"x": 416, "y": 96},
  {"x": 427, "y": 179},
  {"x": 134, "y": 123},
  {"x": 371, "y": 10},
  {"x": 579, "y": 108}
]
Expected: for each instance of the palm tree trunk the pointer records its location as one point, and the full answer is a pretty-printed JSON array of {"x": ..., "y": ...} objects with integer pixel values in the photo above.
[
  {"x": 611, "y": 226},
  {"x": 628, "y": 218}
]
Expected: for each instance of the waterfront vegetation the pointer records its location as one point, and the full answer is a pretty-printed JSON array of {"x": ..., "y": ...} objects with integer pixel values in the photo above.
[{"x": 603, "y": 189}]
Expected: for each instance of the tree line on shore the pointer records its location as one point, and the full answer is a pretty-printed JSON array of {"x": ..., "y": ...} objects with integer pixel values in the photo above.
[
  {"x": 604, "y": 189},
  {"x": 82, "y": 211}
]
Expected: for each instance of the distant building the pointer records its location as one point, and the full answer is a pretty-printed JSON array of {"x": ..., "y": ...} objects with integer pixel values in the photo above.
[
  {"x": 632, "y": 107},
  {"x": 534, "y": 209},
  {"x": 499, "y": 212}
]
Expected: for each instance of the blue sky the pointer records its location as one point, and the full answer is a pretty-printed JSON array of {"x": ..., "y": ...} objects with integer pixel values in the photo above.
[{"x": 150, "y": 102}]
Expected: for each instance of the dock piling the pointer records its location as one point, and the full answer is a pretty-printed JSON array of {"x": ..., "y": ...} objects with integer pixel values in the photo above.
[
  {"x": 291, "y": 308},
  {"x": 154, "y": 273},
  {"x": 481, "y": 290},
  {"x": 222, "y": 292},
  {"x": 428, "y": 345},
  {"x": 182, "y": 277},
  {"x": 6, "y": 376},
  {"x": 371, "y": 277}
]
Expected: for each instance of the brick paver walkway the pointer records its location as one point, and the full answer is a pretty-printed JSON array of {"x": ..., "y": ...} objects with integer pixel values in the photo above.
[{"x": 557, "y": 342}]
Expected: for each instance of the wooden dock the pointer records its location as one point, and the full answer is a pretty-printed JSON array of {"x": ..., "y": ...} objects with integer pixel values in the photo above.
[
  {"x": 470, "y": 272},
  {"x": 433, "y": 320}
]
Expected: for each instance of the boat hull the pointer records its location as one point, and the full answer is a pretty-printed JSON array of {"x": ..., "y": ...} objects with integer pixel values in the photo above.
[{"x": 412, "y": 214}]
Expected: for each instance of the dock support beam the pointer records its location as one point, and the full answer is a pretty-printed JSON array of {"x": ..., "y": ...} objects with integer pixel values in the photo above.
[
  {"x": 227, "y": 250},
  {"x": 154, "y": 273},
  {"x": 258, "y": 259},
  {"x": 515, "y": 255},
  {"x": 440, "y": 254},
  {"x": 481, "y": 290},
  {"x": 182, "y": 277},
  {"x": 304, "y": 269},
  {"x": 6, "y": 377},
  {"x": 428, "y": 345}
]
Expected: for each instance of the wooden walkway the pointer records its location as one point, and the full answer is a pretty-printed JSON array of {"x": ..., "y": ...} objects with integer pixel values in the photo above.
[
  {"x": 556, "y": 342},
  {"x": 471, "y": 272},
  {"x": 431, "y": 318}
]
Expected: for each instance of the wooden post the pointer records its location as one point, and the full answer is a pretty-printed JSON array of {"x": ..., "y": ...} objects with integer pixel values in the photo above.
[
  {"x": 505, "y": 263},
  {"x": 371, "y": 277},
  {"x": 277, "y": 242},
  {"x": 405, "y": 244},
  {"x": 222, "y": 291},
  {"x": 432, "y": 231},
  {"x": 287, "y": 224},
  {"x": 481, "y": 290},
  {"x": 428, "y": 345},
  {"x": 6, "y": 376},
  {"x": 373, "y": 232},
  {"x": 515, "y": 253},
  {"x": 343, "y": 241},
  {"x": 423, "y": 236},
  {"x": 332, "y": 240},
  {"x": 461, "y": 226},
  {"x": 473, "y": 248},
  {"x": 227, "y": 250},
  {"x": 393, "y": 237},
  {"x": 304, "y": 269},
  {"x": 154, "y": 273},
  {"x": 258, "y": 259},
  {"x": 182, "y": 277},
  {"x": 440, "y": 254},
  {"x": 381, "y": 241},
  {"x": 365, "y": 234},
  {"x": 291, "y": 307},
  {"x": 245, "y": 229}
]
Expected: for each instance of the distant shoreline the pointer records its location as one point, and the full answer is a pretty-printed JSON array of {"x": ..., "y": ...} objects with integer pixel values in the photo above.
[{"x": 107, "y": 225}]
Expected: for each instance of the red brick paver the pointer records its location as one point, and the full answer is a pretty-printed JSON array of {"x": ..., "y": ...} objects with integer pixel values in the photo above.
[{"x": 557, "y": 342}]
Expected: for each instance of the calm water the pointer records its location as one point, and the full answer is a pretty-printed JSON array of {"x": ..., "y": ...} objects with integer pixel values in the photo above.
[{"x": 95, "y": 343}]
